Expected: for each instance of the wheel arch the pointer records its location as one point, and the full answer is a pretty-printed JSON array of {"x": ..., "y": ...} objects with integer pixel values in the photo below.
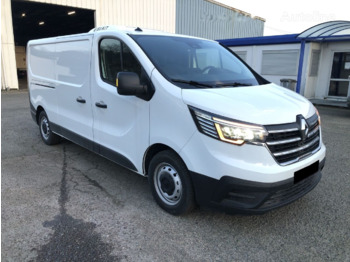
[
  {"x": 152, "y": 151},
  {"x": 38, "y": 111}
]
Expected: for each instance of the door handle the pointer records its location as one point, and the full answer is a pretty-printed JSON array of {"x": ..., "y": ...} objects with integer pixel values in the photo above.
[
  {"x": 101, "y": 104},
  {"x": 81, "y": 100}
]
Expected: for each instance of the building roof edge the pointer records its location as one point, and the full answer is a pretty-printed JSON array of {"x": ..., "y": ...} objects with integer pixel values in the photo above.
[
  {"x": 236, "y": 10},
  {"x": 261, "y": 40}
]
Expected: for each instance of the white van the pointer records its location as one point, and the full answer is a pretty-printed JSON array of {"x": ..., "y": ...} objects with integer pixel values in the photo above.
[{"x": 186, "y": 112}]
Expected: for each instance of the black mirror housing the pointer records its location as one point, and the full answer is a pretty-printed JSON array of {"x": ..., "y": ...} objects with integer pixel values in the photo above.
[{"x": 128, "y": 84}]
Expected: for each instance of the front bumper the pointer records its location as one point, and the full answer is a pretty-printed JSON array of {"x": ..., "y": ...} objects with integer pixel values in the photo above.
[{"x": 234, "y": 195}]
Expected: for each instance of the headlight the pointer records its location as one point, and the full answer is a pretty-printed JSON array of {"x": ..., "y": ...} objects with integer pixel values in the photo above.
[
  {"x": 238, "y": 133},
  {"x": 227, "y": 130}
]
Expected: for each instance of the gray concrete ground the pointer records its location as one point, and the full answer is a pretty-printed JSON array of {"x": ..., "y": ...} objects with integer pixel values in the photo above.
[{"x": 64, "y": 203}]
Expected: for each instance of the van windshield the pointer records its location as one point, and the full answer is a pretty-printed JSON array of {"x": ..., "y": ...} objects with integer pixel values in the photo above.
[{"x": 191, "y": 62}]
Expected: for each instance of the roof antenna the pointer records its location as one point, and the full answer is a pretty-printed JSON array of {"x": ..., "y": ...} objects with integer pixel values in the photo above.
[{"x": 138, "y": 29}]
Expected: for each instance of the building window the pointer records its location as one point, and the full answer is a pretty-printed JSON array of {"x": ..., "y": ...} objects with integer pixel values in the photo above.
[
  {"x": 280, "y": 62},
  {"x": 339, "y": 82},
  {"x": 242, "y": 55},
  {"x": 315, "y": 60}
]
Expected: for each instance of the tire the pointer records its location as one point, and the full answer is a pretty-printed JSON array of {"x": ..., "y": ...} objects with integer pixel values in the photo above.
[
  {"x": 46, "y": 133},
  {"x": 170, "y": 183}
]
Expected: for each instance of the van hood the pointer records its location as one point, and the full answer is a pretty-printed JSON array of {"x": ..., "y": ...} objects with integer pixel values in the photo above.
[{"x": 265, "y": 105}]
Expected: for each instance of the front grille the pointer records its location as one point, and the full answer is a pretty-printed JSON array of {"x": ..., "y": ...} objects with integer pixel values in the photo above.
[{"x": 288, "y": 144}]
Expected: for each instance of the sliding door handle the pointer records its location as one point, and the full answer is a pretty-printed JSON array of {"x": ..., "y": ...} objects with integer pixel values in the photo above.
[
  {"x": 101, "y": 104},
  {"x": 81, "y": 100}
]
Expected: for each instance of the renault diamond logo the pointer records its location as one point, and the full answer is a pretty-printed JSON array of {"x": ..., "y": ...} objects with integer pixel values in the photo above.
[{"x": 303, "y": 127}]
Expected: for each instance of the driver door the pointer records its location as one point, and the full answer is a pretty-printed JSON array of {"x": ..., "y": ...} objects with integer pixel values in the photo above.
[{"x": 121, "y": 123}]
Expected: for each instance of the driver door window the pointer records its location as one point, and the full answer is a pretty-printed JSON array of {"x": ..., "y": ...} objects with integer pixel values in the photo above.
[{"x": 116, "y": 57}]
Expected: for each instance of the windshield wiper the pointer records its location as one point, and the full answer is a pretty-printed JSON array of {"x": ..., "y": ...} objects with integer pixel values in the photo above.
[
  {"x": 190, "y": 82},
  {"x": 234, "y": 84}
]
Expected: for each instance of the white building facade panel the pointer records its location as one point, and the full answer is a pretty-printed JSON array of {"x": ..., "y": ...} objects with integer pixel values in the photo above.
[
  {"x": 151, "y": 14},
  {"x": 8, "y": 59}
]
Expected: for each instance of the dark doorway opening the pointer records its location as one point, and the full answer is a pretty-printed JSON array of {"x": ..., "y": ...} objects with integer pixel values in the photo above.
[{"x": 33, "y": 20}]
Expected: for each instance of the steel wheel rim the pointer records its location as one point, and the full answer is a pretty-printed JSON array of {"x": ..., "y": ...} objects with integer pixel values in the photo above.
[
  {"x": 168, "y": 184},
  {"x": 45, "y": 128}
]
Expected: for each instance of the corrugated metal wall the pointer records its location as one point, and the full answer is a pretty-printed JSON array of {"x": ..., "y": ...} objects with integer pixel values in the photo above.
[
  {"x": 151, "y": 14},
  {"x": 206, "y": 19},
  {"x": 245, "y": 26}
]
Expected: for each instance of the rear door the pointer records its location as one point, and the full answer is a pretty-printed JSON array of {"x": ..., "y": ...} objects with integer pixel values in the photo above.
[{"x": 73, "y": 69}]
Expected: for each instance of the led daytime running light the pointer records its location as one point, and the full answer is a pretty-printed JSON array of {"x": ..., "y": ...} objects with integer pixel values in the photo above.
[
  {"x": 233, "y": 132},
  {"x": 223, "y": 137},
  {"x": 235, "y": 124},
  {"x": 319, "y": 117}
]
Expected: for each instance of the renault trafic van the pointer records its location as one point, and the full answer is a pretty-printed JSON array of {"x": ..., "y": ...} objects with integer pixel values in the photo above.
[{"x": 185, "y": 112}]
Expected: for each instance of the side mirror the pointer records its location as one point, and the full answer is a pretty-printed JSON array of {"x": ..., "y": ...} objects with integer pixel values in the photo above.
[{"x": 128, "y": 84}]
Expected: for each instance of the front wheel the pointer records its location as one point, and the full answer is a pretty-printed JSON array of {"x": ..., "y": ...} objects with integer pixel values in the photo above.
[
  {"x": 46, "y": 133},
  {"x": 170, "y": 183}
]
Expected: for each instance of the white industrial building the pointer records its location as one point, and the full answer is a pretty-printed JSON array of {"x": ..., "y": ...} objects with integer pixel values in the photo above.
[
  {"x": 23, "y": 20},
  {"x": 314, "y": 63}
]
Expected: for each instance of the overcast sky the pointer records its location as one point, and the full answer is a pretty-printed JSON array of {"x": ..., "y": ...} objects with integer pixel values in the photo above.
[{"x": 293, "y": 16}]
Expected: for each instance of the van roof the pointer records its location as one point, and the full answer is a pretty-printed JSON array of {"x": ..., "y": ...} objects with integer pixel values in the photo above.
[
  {"x": 112, "y": 28},
  {"x": 137, "y": 31},
  {"x": 128, "y": 30}
]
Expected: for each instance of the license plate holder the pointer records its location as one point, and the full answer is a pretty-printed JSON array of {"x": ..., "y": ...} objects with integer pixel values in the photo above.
[{"x": 306, "y": 172}]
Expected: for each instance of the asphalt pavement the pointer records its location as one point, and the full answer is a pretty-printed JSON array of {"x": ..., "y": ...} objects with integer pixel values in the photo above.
[{"x": 64, "y": 203}]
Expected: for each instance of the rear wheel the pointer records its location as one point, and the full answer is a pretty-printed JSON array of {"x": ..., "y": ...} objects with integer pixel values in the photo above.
[
  {"x": 170, "y": 183},
  {"x": 46, "y": 133}
]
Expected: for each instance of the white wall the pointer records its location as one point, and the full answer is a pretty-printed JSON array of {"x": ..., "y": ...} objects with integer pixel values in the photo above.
[
  {"x": 151, "y": 14},
  {"x": 8, "y": 60},
  {"x": 310, "y": 82}
]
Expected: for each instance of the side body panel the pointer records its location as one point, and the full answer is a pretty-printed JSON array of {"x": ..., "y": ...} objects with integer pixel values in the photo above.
[
  {"x": 58, "y": 76},
  {"x": 171, "y": 121},
  {"x": 73, "y": 60},
  {"x": 41, "y": 76}
]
